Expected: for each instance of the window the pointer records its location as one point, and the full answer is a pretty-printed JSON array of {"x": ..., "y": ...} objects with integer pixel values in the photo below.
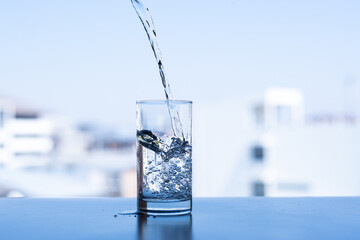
[
  {"x": 34, "y": 154},
  {"x": 257, "y": 153},
  {"x": 259, "y": 114},
  {"x": 26, "y": 115},
  {"x": 29, "y": 135},
  {"x": 258, "y": 189},
  {"x": 1, "y": 118}
]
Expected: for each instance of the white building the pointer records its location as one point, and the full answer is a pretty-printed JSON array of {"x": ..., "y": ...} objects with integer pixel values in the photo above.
[
  {"x": 265, "y": 147},
  {"x": 26, "y": 138},
  {"x": 47, "y": 156}
]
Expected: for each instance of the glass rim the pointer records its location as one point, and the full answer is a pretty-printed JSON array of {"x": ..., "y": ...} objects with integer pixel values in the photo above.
[{"x": 163, "y": 101}]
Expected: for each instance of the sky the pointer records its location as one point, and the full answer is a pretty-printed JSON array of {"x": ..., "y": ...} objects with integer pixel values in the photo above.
[{"x": 91, "y": 60}]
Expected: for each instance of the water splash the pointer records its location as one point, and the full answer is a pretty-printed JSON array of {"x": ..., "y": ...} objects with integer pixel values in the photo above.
[{"x": 148, "y": 23}]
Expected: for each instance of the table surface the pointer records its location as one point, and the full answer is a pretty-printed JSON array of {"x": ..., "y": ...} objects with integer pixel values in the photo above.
[{"x": 212, "y": 218}]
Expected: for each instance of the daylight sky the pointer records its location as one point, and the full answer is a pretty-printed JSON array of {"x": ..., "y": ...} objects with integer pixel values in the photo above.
[{"x": 91, "y": 60}]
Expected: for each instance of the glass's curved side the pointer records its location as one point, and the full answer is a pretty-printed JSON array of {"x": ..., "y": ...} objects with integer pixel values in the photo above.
[{"x": 164, "y": 160}]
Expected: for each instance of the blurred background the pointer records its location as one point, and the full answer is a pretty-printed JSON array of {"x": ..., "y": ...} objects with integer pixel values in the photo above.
[{"x": 275, "y": 86}]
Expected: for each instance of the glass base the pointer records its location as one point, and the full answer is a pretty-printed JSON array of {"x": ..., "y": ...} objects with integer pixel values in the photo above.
[{"x": 158, "y": 207}]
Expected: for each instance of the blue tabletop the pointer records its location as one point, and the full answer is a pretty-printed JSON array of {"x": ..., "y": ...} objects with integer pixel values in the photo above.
[{"x": 212, "y": 218}]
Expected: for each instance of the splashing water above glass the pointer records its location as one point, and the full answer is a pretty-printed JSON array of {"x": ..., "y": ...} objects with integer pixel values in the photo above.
[{"x": 148, "y": 23}]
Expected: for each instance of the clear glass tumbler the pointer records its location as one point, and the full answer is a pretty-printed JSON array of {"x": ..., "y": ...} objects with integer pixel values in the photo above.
[{"x": 164, "y": 157}]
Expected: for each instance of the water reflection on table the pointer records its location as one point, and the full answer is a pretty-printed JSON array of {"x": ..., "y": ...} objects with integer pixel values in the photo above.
[{"x": 160, "y": 227}]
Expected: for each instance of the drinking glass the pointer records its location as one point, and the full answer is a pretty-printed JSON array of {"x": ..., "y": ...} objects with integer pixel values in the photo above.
[{"x": 164, "y": 157}]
